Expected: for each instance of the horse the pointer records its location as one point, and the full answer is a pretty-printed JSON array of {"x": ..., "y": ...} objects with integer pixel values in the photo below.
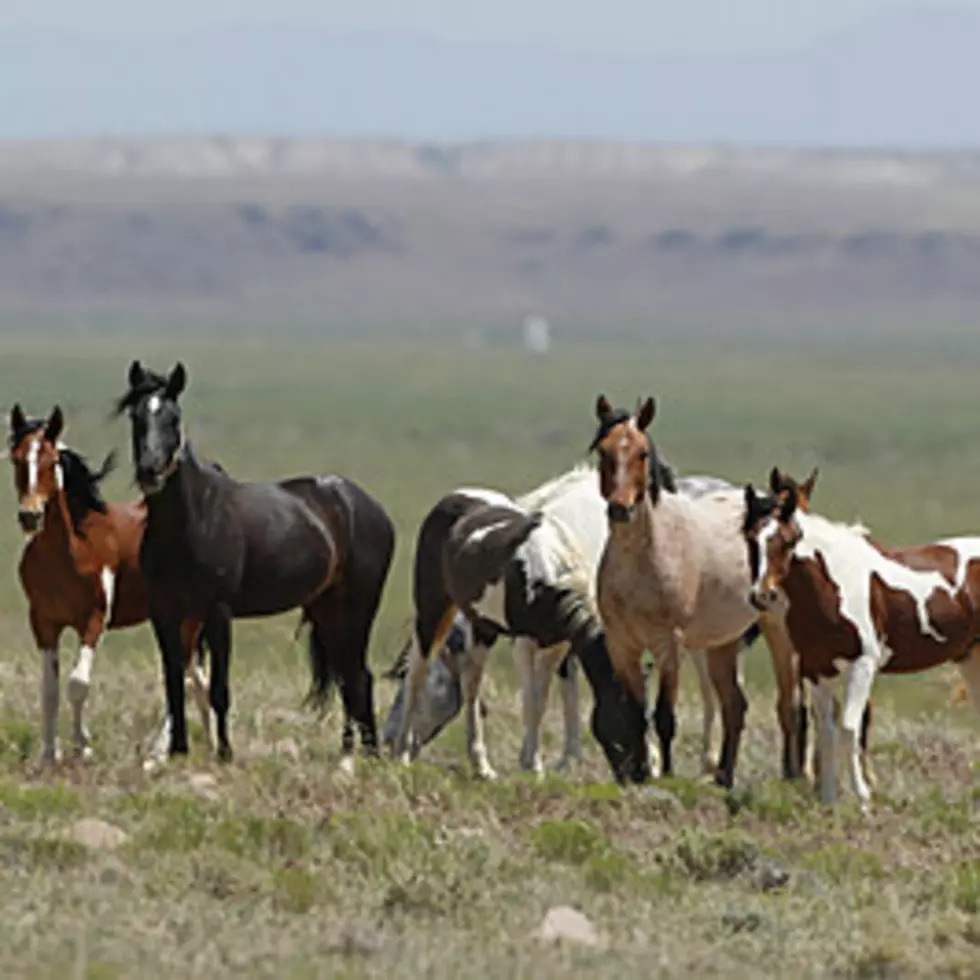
[
  {"x": 216, "y": 549},
  {"x": 855, "y": 606},
  {"x": 79, "y": 569},
  {"x": 673, "y": 572},
  {"x": 781, "y": 484},
  {"x": 573, "y": 499}
]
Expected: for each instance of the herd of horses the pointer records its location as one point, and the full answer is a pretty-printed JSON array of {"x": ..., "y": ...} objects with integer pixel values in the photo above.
[{"x": 592, "y": 570}]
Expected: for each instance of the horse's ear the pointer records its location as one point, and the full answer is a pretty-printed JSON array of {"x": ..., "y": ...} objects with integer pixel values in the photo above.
[
  {"x": 55, "y": 425},
  {"x": 602, "y": 407},
  {"x": 176, "y": 382},
  {"x": 645, "y": 414},
  {"x": 788, "y": 506},
  {"x": 17, "y": 418},
  {"x": 775, "y": 480},
  {"x": 136, "y": 374},
  {"x": 810, "y": 483}
]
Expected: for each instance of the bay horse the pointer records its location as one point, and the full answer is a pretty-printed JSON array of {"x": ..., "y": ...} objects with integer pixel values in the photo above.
[
  {"x": 672, "y": 574},
  {"x": 574, "y": 500},
  {"x": 781, "y": 484},
  {"x": 216, "y": 549},
  {"x": 79, "y": 569},
  {"x": 859, "y": 609}
]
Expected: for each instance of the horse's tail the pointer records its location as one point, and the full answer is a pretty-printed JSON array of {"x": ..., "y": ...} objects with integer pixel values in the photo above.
[
  {"x": 108, "y": 465},
  {"x": 324, "y": 674}
]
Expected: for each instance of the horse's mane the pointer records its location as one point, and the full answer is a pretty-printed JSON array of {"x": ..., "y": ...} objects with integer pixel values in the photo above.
[
  {"x": 29, "y": 427},
  {"x": 149, "y": 383},
  {"x": 856, "y": 528},
  {"x": 81, "y": 485}
]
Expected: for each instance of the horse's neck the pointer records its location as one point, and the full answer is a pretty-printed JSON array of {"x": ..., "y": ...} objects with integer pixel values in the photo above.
[
  {"x": 639, "y": 538},
  {"x": 57, "y": 520},
  {"x": 177, "y": 504}
]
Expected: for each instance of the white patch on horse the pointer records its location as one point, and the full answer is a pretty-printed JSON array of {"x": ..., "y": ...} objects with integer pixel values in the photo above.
[
  {"x": 494, "y": 497},
  {"x": 33, "y": 452},
  {"x": 154, "y": 404},
  {"x": 109, "y": 588},
  {"x": 967, "y": 550},
  {"x": 851, "y": 560},
  {"x": 483, "y": 532},
  {"x": 492, "y": 605}
]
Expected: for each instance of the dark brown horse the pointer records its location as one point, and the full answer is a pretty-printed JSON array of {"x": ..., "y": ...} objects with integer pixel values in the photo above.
[
  {"x": 215, "y": 549},
  {"x": 80, "y": 567}
]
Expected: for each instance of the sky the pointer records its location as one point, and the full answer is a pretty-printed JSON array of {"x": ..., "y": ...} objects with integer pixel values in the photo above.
[
  {"x": 661, "y": 27},
  {"x": 815, "y": 72}
]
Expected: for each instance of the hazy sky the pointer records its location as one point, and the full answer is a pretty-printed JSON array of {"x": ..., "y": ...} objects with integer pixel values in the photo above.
[{"x": 613, "y": 26}]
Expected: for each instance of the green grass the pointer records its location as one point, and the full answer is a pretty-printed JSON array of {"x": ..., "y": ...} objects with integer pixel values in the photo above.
[{"x": 293, "y": 870}]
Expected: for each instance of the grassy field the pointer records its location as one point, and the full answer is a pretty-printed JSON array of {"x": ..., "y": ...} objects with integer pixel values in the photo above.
[{"x": 279, "y": 866}]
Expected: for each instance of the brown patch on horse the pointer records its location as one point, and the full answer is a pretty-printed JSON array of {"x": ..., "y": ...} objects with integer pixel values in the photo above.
[{"x": 624, "y": 456}]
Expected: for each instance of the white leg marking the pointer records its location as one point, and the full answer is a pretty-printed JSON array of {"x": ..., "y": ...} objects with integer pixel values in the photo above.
[
  {"x": 199, "y": 682},
  {"x": 530, "y": 758},
  {"x": 50, "y": 691},
  {"x": 823, "y": 709},
  {"x": 708, "y": 709},
  {"x": 156, "y": 756},
  {"x": 857, "y": 690},
  {"x": 572, "y": 752},
  {"x": 471, "y": 678}
]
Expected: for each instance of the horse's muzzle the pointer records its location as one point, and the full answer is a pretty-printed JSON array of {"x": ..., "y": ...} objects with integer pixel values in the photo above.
[
  {"x": 29, "y": 520},
  {"x": 619, "y": 513}
]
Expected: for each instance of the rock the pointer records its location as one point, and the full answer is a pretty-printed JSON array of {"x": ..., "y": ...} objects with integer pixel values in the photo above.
[
  {"x": 97, "y": 834},
  {"x": 771, "y": 877},
  {"x": 205, "y": 786},
  {"x": 565, "y": 923},
  {"x": 287, "y": 748}
]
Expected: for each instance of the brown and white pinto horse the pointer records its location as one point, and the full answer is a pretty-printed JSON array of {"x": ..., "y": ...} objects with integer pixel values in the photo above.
[
  {"x": 859, "y": 608},
  {"x": 673, "y": 575},
  {"x": 782, "y": 484},
  {"x": 80, "y": 567}
]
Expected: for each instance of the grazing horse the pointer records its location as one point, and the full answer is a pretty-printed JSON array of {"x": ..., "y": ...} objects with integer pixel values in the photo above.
[
  {"x": 80, "y": 566},
  {"x": 574, "y": 500},
  {"x": 673, "y": 573},
  {"x": 781, "y": 484},
  {"x": 856, "y": 607},
  {"x": 215, "y": 549}
]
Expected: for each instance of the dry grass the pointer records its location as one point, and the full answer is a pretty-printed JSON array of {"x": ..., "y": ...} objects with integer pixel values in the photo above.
[{"x": 285, "y": 868}]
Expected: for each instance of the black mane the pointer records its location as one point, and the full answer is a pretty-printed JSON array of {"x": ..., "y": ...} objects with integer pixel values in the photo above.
[
  {"x": 29, "y": 427},
  {"x": 149, "y": 384},
  {"x": 81, "y": 485}
]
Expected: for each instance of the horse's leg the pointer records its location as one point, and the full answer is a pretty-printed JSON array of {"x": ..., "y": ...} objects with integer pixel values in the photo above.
[
  {"x": 172, "y": 658},
  {"x": 47, "y": 637},
  {"x": 723, "y": 667},
  {"x": 471, "y": 677},
  {"x": 524, "y": 650},
  {"x": 191, "y": 633},
  {"x": 544, "y": 664},
  {"x": 572, "y": 752},
  {"x": 664, "y": 714},
  {"x": 217, "y": 632},
  {"x": 970, "y": 669},
  {"x": 784, "y": 668},
  {"x": 857, "y": 690},
  {"x": 824, "y": 705},
  {"x": 700, "y": 660},
  {"x": 869, "y": 775},
  {"x": 80, "y": 679}
]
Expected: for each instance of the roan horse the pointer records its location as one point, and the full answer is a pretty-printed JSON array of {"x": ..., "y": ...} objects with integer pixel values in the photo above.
[
  {"x": 215, "y": 549},
  {"x": 80, "y": 567},
  {"x": 674, "y": 572},
  {"x": 574, "y": 500},
  {"x": 856, "y": 606}
]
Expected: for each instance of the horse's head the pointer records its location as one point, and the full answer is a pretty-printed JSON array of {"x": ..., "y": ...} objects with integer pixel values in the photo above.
[
  {"x": 781, "y": 483},
  {"x": 154, "y": 415},
  {"x": 628, "y": 465},
  {"x": 34, "y": 453},
  {"x": 772, "y": 532}
]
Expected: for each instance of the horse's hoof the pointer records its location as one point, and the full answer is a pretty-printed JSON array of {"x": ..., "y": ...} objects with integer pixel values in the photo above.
[
  {"x": 153, "y": 765},
  {"x": 346, "y": 766},
  {"x": 77, "y": 690},
  {"x": 485, "y": 772},
  {"x": 84, "y": 753},
  {"x": 225, "y": 753}
]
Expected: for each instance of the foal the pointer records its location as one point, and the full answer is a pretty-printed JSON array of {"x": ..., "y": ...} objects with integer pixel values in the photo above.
[
  {"x": 216, "y": 549},
  {"x": 855, "y": 606},
  {"x": 80, "y": 567}
]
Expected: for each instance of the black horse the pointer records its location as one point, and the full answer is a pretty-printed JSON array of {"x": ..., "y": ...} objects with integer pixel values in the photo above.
[{"x": 216, "y": 549}]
